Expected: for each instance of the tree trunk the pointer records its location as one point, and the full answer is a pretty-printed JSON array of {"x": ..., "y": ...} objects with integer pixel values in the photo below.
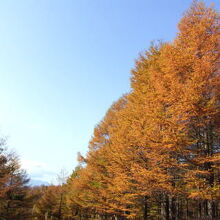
[
  {"x": 145, "y": 208},
  {"x": 60, "y": 207}
]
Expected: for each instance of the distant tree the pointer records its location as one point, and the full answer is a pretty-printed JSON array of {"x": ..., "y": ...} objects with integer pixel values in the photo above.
[
  {"x": 52, "y": 203},
  {"x": 15, "y": 202}
]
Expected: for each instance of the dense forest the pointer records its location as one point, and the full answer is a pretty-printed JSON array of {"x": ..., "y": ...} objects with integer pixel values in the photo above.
[{"x": 156, "y": 153}]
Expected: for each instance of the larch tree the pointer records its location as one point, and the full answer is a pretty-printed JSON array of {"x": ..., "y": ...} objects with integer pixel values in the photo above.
[{"x": 156, "y": 153}]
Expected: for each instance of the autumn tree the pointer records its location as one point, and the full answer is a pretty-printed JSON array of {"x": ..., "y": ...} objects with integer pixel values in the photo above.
[
  {"x": 94, "y": 180},
  {"x": 15, "y": 201},
  {"x": 52, "y": 203},
  {"x": 155, "y": 155}
]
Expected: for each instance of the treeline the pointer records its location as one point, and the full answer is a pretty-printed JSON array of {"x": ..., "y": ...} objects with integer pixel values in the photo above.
[{"x": 156, "y": 153}]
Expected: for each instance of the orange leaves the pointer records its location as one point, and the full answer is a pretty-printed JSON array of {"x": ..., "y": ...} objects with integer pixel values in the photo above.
[{"x": 163, "y": 137}]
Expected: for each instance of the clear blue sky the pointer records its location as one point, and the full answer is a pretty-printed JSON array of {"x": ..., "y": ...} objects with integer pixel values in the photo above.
[{"x": 63, "y": 63}]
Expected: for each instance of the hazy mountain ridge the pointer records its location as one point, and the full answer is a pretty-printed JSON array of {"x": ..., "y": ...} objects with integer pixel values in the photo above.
[{"x": 35, "y": 182}]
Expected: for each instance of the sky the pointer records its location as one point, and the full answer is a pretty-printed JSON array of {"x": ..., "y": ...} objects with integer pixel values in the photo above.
[{"x": 63, "y": 63}]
